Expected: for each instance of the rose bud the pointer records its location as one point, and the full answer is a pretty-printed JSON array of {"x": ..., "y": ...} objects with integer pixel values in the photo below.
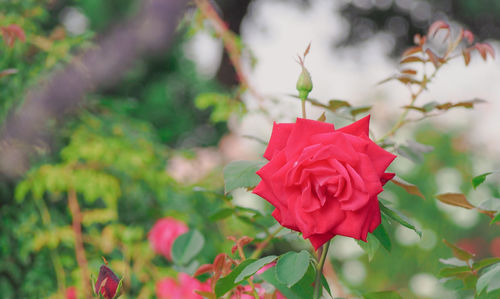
[
  {"x": 107, "y": 283},
  {"x": 163, "y": 234},
  {"x": 324, "y": 182},
  {"x": 304, "y": 83}
]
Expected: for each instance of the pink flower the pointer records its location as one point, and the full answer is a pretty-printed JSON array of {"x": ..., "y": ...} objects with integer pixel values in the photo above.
[
  {"x": 71, "y": 293},
  {"x": 183, "y": 288},
  {"x": 163, "y": 234}
]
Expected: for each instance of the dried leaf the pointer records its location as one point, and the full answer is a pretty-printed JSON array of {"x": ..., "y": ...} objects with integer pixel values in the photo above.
[
  {"x": 409, "y": 71},
  {"x": 469, "y": 36},
  {"x": 438, "y": 25},
  {"x": 465, "y": 104},
  {"x": 333, "y": 105},
  {"x": 415, "y": 108},
  {"x": 322, "y": 117},
  {"x": 466, "y": 54},
  {"x": 410, "y": 188},
  {"x": 357, "y": 110},
  {"x": 206, "y": 268},
  {"x": 407, "y": 80},
  {"x": 412, "y": 50},
  {"x": 410, "y": 59},
  {"x": 307, "y": 50},
  {"x": 433, "y": 58},
  {"x": 455, "y": 199}
]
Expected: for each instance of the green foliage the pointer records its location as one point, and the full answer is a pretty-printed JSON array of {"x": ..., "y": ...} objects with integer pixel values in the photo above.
[
  {"x": 370, "y": 246},
  {"x": 489, "y": 280},
  {"x": 222, "y": 105},
  {"x": 241, "y": 174},
  {"x": 300, "y": 290},
  {"x": 292, "y": 266},
  {"x": 228, "y": 282},
  {"x": 187, "y": 246},
  {"x": 254, "y": 267},
  {"x": 478, "y": 180},
  {"x": 382, "y": 295},
  {"x": 398, "y": 217}
]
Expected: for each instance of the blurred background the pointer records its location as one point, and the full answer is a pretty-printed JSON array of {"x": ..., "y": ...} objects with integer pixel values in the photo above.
[{"x": 179, "y": 116}]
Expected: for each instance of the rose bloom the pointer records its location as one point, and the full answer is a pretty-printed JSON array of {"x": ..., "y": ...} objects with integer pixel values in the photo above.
[
  {"x": 163, "y": 234},
  {"x": 324, "y": 182},
  {"x": 183, "y": 288}
]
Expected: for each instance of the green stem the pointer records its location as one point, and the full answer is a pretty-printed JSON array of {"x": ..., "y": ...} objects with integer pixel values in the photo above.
[
  {"x": 303, "y": 108},
  {"x": 264, "y": 243},
  {"x": 323, "y": 252}
]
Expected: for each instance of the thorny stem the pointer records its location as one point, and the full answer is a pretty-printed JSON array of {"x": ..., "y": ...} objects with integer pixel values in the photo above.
[
  {"x": 74, "y": 207},
  {"x": 323, "y": 252}
]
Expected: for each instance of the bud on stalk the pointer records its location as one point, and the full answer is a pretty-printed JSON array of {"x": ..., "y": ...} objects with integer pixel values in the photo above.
[{"x": 304, "y": 83}]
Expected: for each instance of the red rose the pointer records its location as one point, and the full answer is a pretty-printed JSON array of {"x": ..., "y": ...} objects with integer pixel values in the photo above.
[{"x": 324, "y": 182}]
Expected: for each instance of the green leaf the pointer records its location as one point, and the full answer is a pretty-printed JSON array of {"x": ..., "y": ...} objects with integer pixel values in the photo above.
[
  {"x": 301, "y": 290},
  {"x": 358, "y": 110},
  {"x": 325, "y": 285},
  {"x": 495, "y": 219},
  {"x": 430, "y": 106},
  {"x": 399, "y": 217},
  {"x": 383, "y": 237},
  {"x": 221, "y": 214},
  {"x": 458, "y": 272},
  {"x": 489, "y": 280},
  {"x": 485, "y": 263},
  {"x": 292, "y": 266},
  {"x": 371, "y": 246},
  {"x": 333, "y": 105},
  {"x": 226, "y": 283},
  {"x": 241, "y": 174},
  {"x": 382, "y": 295},
  {"x": 478, "y": 180},
  {"x": 453, "y": 261},
  {"x": 254, "y": 267},
  {"x": 458, "y": 252},
  {"x": 187, "y": 246}
]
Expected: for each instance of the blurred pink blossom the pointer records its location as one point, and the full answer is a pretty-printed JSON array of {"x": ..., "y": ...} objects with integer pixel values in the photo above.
[
  {"x": 71, "y": 293},
  {"x": 183, "y": 288},
  {"x": 163, "y": 234}
]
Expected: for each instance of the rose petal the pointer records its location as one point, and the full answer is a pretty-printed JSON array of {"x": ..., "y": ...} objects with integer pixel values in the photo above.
[
  {"x": 319, "y": 239},
  {"x": 279, "y": 138},
  {"x": 301, "y": 132},
  {"x": 359, "y": 128}
]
